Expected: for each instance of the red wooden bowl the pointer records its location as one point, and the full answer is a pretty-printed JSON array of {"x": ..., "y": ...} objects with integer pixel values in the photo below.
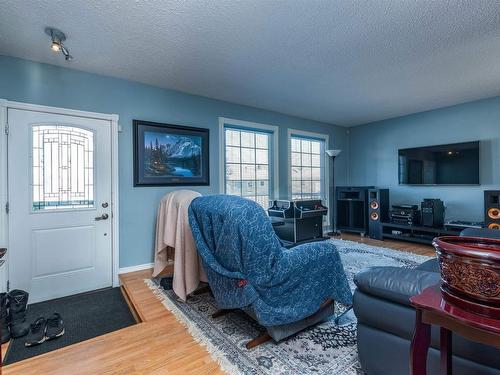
[{"x": 470, "y": 269}]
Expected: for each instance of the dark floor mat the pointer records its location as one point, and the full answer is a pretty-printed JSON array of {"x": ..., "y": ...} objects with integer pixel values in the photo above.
[{"x": 84, "y": 315}]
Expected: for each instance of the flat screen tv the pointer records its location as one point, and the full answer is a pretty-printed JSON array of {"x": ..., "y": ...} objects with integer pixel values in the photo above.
[{"x": 452, "y": 164}]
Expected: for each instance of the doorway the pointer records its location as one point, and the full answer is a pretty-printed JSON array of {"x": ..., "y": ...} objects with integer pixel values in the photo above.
[{"x": 62, "y": 230}]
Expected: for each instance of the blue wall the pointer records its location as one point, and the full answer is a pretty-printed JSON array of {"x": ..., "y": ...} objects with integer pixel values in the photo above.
[
  {"x": 374, "y": 153},
  {"x": 31, "y": 82}
]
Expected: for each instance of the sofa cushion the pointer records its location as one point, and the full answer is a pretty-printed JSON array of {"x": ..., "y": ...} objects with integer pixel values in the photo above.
[
  {"x": 394, "y": 283},
  {"x": 384, "y": 315}
]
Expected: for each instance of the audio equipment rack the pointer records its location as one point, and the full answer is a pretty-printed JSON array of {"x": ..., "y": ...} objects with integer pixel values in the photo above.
[{"x": 416, "y": 233}]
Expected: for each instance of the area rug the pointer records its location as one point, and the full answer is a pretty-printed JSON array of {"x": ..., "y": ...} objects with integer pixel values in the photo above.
[
  {"x": 324, "y": 349},
  {"x": 85, "y": 316}
]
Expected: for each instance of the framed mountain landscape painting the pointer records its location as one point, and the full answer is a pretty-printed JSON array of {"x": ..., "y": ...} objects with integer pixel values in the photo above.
[{"x": 170, "y": 155}]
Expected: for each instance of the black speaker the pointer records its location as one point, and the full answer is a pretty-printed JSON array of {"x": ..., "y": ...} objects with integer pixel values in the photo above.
[
  {"x": 492, "y": 209},
  {"x": 378, "y": 211},
  {"x": 432, "y": 213}
]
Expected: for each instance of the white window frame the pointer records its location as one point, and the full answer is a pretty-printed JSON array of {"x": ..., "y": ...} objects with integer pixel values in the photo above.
[
  {"x": 72, "y": 209},
  {"x": 326, "y": 180},
  {"x": 248, "y": 125}
]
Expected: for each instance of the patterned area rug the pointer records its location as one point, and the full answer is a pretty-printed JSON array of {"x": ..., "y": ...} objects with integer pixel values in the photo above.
[{"x": 324, "y": 349}]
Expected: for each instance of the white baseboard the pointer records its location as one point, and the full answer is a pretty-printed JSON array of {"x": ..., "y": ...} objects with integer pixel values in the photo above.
[{"x": 139, "y": 267}]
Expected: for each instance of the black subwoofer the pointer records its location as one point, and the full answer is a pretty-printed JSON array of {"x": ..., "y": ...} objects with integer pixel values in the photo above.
[
  {"x": 378, "y": 211},
  {"x": 492, "y": 209},
  {"x": 432, "y": 213}
]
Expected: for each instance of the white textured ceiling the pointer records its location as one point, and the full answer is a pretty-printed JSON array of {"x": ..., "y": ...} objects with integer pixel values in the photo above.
[{"x": 340, "y": 61}]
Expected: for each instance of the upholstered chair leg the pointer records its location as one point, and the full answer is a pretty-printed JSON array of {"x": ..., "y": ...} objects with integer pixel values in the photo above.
[
  {"x": 337, "y": 319},
  {"x": 258, "y": 340},
  {"x": 220, "y": 313}
]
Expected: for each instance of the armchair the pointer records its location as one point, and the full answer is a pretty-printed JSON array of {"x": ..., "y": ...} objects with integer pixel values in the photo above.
[{"x": 285, "y": 290}]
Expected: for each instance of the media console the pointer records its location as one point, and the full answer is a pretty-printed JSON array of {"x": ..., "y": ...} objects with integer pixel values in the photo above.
[
  {"x": 366, "y": 210},
  {"x": 416, "y": 233}
]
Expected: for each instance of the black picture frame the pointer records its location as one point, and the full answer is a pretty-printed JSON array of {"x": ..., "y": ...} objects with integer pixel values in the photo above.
[{"x": 166, "y": 155}]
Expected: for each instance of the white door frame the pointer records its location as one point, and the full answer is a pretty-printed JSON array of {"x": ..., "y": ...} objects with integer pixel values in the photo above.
[{"x": 4, "y": 194}]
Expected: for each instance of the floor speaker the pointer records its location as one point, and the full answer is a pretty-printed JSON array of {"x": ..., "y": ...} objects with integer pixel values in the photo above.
[
  {"x": 492, "y": 209},
  {"x": 378, "y": 211}
]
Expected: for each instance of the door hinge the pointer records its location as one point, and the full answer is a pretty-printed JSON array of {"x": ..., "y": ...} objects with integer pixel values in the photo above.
[
  {"x": 7, "y": 206},
  {"x": 6, "y": 128},
  {"x": 8, "y": 286}
]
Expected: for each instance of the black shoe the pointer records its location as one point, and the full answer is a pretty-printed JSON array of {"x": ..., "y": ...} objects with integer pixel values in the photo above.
[
  {"x": 36, "y": 333},
  {"x": 18, "y": 300},
  {"x": 4, "y": 322},
  {"x": 55, "y": 327}
]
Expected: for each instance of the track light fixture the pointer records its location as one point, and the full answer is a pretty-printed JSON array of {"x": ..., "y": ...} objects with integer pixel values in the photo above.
[{"x": 58, "y": 37}]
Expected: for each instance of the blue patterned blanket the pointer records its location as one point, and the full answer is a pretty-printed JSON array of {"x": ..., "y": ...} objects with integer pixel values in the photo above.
[{"x": 247, "y": 265}]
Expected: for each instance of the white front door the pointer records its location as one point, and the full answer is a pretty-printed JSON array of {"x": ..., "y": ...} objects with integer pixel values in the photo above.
[{"x": 59, "y": 186}]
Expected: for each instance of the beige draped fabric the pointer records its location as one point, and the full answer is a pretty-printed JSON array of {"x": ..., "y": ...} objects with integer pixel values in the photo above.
[{"x": 173, "y": 237}]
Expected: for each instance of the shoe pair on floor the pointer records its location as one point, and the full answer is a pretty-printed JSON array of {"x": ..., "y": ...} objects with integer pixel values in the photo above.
[
  {"x": 13, "y": 314},
  {"x": 45, "y": 329}
]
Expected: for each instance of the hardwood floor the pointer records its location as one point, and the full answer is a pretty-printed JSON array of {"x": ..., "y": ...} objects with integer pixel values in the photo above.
[
  {"x": 410, "y": 247},
  {"x": 159, "y": 344}
]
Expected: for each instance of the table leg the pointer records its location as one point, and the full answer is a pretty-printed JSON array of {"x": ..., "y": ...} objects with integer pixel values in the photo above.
[
  {"x": 420, "y": 346},
  {"x": 446, "y": 351}
]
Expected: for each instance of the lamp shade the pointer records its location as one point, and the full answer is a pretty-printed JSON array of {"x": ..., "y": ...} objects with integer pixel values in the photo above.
[{"x": 333, "y": 153}]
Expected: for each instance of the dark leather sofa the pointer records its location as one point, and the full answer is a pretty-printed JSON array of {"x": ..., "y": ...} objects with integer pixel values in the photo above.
[{"x": 386, "y": 322}]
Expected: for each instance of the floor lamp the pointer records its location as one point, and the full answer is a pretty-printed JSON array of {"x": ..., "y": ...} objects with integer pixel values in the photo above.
[{"x": 333, "y": 154}]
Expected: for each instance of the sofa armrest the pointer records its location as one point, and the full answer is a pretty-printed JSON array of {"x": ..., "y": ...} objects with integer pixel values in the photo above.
[
  {"x": 394, "y": 283},
  {"x": 480, "y": 232}
]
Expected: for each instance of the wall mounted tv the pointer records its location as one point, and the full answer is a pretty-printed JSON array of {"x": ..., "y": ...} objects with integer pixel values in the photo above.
[{"x": 452, "y": 164}]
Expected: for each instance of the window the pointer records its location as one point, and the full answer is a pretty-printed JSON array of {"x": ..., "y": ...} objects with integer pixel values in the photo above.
[
  {"x": 307, "y": 167},
  {"x": 248, "y": 163},
  {"x": 63, "y": 167}
]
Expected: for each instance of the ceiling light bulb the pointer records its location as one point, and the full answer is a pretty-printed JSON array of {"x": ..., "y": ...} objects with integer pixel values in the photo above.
[
  {"x": 56, "y": 47},
  {"x": 57, "y": 38}
]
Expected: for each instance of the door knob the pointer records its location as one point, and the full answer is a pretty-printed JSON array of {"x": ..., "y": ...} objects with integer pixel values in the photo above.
[{"x": 102, "y": 217}]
